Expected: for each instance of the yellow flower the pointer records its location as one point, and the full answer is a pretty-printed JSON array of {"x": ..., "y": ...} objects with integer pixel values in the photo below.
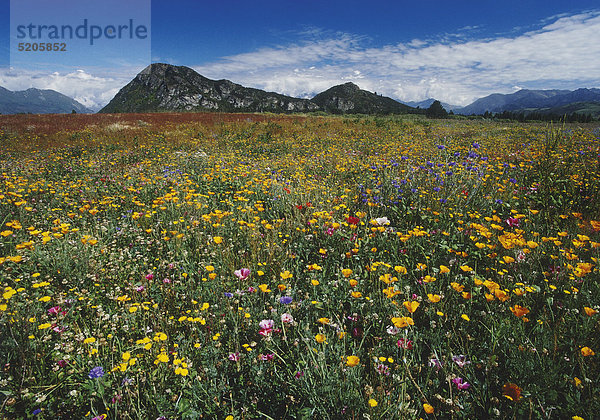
[
  {"x": 264, "y": 288},
  {"x": 372, "y": 403},
  {"x": 314, "y": 282},
  {"x": 586, "y": 351},
  {"x": 44, "y": 326},
  {"x": 286, "y": 275},
  {"x": 434, "y": 298},
  {"x": 519, "y": 310},
  {"x": 346, "y": 272},
  {"x": 352, "y": 360},
  {"x": 428, "y": 408},
  {"x": 465, "y": 317},
  {"x": 411, "y": 306},
  {"x": 402, "y": 321},
  {"x": 400, "y": 269},
  {"x": 428, "y": 279},
  {"x": 320, "y": 338},
  {"x": 444, "y": 269},
  {"x": 466, "y": 268},
  {"x": 218, "y": 239},
  {"x": 324, "y": 321},
  {"x": 126, "y": 356},
  {"x": 89, "y": 340}
]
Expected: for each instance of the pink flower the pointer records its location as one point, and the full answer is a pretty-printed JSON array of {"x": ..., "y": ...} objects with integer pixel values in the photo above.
[
  {"x": 266, "y": 323},
  {"x": 266, "y": 327},
  {"x": 287, "y": 318},
  {"x": 54, "y": 310},
  {"x": 405, "y": 344},
  {"x": 513, "y": 222},
  {"x": 242, "y": 273},
  {"x": 149, "y": 276},
  {"x": 460, "y": 384},
  {"x": 234, "y": 357},
  {"x": 266, "y": 357}
]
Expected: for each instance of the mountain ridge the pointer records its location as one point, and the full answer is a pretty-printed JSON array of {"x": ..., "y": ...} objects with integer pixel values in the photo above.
[{"x": 38, "y": 101}]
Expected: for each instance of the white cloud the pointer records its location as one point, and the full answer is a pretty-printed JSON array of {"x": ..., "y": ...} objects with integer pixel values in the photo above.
[
  {"x": 92, "y": 91},
  {"x": 561, "y": 54}
]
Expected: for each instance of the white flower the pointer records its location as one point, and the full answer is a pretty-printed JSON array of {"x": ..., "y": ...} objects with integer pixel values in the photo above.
[{"x": 382, "y": 221}]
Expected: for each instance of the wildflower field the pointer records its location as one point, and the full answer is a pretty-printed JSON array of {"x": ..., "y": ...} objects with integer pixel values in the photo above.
[{"x": 242, "y": 267}]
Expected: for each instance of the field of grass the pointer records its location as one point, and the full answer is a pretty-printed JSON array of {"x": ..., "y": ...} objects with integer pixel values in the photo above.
[{"x": 240, "y": 267}]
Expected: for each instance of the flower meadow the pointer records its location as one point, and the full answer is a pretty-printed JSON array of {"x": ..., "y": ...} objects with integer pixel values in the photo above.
[{"x": 306, "y": 267}]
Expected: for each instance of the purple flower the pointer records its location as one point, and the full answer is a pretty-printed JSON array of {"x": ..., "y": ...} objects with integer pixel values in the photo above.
[
  {"x": 460, "y": 384},
  {"x": 37, "y": 411},
  {"x": 242, "y": 273},
  {"x": 435, "y": 363},
  {"x": 299, "y": 374},
  {"x": 228, "y": 295},
  {"x": 286, "y": 300},
  {"x": 460, "y": 360},
  {"x": 266, "y": 357},
  {"x": 97, "y": 372}
]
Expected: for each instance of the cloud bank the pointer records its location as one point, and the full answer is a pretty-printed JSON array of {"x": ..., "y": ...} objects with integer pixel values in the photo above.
[{"x": 561, "y": 54}]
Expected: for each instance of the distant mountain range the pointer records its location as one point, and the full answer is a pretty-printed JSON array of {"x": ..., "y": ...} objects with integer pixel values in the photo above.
[
  {"x": 164, "y": 87},
  {"x": 427, "y": 103},
  {"x": 37, "y": 101},
  {"x": 556, "y": 102}
]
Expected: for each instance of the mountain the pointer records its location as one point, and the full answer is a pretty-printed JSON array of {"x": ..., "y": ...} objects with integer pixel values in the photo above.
[
  {"x": 427, "y": 103},
  {"x": 164, "y": 87},
  {"x": 350, "y": 99},
  {"x": 530, "y": 100},
  {"x": 38, "y": 101}
]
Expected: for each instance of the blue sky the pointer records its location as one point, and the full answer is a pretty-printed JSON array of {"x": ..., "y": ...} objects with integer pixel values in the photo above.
[{"x": 455, "y": 51}]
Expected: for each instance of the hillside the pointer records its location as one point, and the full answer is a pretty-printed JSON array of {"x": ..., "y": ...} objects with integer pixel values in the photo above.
[
  {"x": 350, "y": 99},
  {"x": 163, "y": 87},
  {"x": 37, "y": 101}
]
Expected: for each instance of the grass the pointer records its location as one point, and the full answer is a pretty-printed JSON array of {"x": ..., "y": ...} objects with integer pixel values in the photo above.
[{"x": 243, "y": 266}]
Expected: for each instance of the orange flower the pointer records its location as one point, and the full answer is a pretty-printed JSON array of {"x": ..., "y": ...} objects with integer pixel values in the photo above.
[
  {"x": 586, "y": 351},
  {"x": 411, "y": 306},
  {"x": 511, "y": 391},
  {"x": 320, "y": 338},
  {"x": 444, "y": 269},
  {"x": 403, "y": 321},
  {"x": 519, "y": 310},
  {"x": 352, "y": 360},
  {"x": 346, "y": 272},
  {"x": 590, "y": 311},
  {"x": 456, "y": 286},
  {"x": 428, "y": 408},
  {"x": 434, "y": 298}
]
